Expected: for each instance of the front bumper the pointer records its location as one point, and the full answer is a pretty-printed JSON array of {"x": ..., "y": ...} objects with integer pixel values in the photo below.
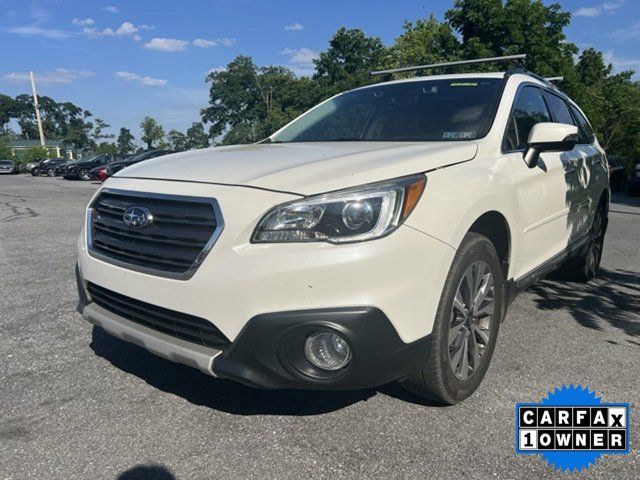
[{"x": 268, "y": 351}]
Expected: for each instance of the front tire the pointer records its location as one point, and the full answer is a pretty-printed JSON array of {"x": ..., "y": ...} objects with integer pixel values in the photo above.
[
  {"x": 83, "y": 174},
  {"x": 35, "y": 171},
  {"x": 466, "y": 327}
]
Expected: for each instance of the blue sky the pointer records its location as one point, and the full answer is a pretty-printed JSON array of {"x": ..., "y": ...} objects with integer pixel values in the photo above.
[{"x": 124, "y": 60}]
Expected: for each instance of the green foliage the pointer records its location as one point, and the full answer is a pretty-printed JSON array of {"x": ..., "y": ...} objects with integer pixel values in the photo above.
[
  {"x": 105, "y": 147},
  {"x": 5, "y": 151},
  {"x": 348, "y": 60},
  {"x": 177, "y": 141},
  {"x": 125, "y": 141},
  {"x": 152, "y": 132},
  {"x": 60, "y": 120},
  {"x": 34, "y": 153},
  {"x": 196, "y": 136}
]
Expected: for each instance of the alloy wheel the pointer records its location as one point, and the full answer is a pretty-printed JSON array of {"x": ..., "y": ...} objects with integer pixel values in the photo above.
[{"x": 471, "y": 320}]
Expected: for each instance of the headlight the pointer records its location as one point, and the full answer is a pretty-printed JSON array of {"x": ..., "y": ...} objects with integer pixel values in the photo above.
[{"x": 351, "y": 215}]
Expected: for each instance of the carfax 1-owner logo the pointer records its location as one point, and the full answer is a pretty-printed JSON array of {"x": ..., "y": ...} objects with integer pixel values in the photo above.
[{"x": 571, "y": 428}]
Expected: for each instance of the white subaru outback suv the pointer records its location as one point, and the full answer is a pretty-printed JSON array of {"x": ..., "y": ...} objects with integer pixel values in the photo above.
[{"x": 380, "y": 236}]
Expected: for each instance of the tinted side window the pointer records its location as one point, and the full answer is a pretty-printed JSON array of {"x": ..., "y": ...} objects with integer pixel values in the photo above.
[
  {"x": 529, "y": 108},
  {"x": 559, "y": 109},
  {"x": 586, "y": 133}
]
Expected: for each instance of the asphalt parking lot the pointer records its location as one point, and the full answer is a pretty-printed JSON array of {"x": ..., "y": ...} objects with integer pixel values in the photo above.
[{"x": 78, "y": 403}]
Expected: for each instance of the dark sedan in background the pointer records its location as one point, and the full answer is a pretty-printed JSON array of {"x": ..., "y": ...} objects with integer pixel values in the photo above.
[
  {"x": 80, "y": 169},
  {"x": 618, "y": 179},
  {"x": 634, "y": 183},
  {"x": 47, "y": 166},
  {"x": 117, "y": 166},
  {"x": 7, "y": 166}
]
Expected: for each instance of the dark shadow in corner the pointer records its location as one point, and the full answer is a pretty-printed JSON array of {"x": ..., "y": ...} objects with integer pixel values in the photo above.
[
  {"x": 146, "y": 472},
  {"x": 223, "y": 395},
  {"x": 612, "y": 298}
]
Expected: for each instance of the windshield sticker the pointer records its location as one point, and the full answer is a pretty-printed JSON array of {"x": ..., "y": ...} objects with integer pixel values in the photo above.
[
  {"x": 463, "y": 84},
  {"x": 459, "y": 135}
]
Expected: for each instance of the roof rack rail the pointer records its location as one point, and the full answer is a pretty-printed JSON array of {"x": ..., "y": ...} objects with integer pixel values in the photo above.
[
  {"x": 477, "y": 61},
  {"x": 554, "y": 79},
  {"x": 548, "y": 81}
]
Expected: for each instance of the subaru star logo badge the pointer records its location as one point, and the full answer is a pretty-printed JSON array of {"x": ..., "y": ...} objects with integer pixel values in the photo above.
[{"x": 137, "y": 217}]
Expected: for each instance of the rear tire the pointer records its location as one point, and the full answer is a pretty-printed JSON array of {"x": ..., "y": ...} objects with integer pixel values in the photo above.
[
  {"x": 585, "y": 266},
  {"x": 35, "y": 171},
  {"x": 466, "y": 325}
]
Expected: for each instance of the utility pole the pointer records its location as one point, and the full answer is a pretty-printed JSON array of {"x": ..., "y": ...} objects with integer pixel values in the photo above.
[{"x": 35, "y": 104}]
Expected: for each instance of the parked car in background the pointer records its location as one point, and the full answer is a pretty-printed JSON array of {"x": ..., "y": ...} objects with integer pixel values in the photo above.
[
  {"x": 80, "y": 169},
  {"x": 98, "y": 173},
  {"x": 29, "y": 166},
  {"x": 117, "y": 166},
  {"x": 7, "y": 166},
  {"x": 51, "y": 167},
  {"x": 634, "y": 182},
  {"x": 44, "y": 165},
  {"x": 617, "y": 175}
]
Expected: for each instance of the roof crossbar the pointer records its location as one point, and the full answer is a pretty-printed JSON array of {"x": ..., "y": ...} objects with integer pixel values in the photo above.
[{"x": 477, "y": 61}]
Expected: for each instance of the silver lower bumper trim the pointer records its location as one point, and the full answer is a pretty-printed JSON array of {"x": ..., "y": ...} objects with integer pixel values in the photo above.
[{"x": 160, "y": 344}]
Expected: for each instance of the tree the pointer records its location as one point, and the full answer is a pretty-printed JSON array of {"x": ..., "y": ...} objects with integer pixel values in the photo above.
[
  {"x": 196, "y": 136},
  {"x": 350, "y": 58},
  {"x": 106, "y": 147},
  {"x": 423, "y": 42},
  {"x": 125, "y": 141},
  {"x": 178, "y": 140},
  {"x": 152, "y": 132},
  {"x": 5, "y": 151}
]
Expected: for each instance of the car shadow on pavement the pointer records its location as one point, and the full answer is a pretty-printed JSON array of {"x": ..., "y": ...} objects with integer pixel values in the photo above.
[
  {"x": 224, "y": 395},
  {"x": 146, "y": 472},
  {"x": 613, "y": 298}
]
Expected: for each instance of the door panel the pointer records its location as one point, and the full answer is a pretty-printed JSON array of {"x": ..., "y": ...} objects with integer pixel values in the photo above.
[{"x": 542, "y": 194}]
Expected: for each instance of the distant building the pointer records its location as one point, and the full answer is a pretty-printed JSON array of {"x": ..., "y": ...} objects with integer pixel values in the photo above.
[{"x": 55, "y": 148}]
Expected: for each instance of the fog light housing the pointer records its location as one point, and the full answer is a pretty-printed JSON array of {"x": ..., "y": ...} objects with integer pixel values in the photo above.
[{"x": 327, "y": 351}]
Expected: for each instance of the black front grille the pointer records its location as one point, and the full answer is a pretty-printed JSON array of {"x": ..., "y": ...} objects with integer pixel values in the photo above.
[
  {"x": 174, "y": 242},
  {"x": 180, "y": 325}
]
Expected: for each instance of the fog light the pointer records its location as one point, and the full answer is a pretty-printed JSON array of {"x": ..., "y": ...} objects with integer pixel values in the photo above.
[{"x": 327, "y": 350}]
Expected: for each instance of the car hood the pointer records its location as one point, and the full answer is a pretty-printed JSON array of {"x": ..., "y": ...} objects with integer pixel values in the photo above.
[{"x": 303, "y": 168}]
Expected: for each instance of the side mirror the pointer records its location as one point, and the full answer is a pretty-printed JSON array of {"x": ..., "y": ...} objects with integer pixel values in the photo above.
[{"x": 549, "y": 137}]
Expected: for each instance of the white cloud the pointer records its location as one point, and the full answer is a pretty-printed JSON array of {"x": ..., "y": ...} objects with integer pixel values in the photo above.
[
  {"x": 587, "y": 12},
  {"x": 136, "y": 38},
  {"x": 202, "y": 43},
  {"x": 294, "y": 27},
  {"x": 302, "y": 57},
  {"x": 34, "y": 31},
  {"x": 126, "y": 29},
  {"x": 166, "y": 44},
  {"x": 59, "y": 75},
  {"x": 226, "y": 42},
  {"x": 598, "y": 9},
  {"x": 628, "y": 33},
  {"x": 301, "y": 60},
  {"x": 111, "y": 9},
  {"x": 83, "y": 22},
  {"x": 141, "y": 79},
  {"x": 217, "y": 70}
]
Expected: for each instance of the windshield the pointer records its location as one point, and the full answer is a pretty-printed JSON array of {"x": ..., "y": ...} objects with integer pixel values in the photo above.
[{"x": 421, "y": 111}]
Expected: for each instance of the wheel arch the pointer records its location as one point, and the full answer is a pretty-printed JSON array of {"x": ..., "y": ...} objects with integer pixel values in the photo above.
[{"x": 494, "y": 225}]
